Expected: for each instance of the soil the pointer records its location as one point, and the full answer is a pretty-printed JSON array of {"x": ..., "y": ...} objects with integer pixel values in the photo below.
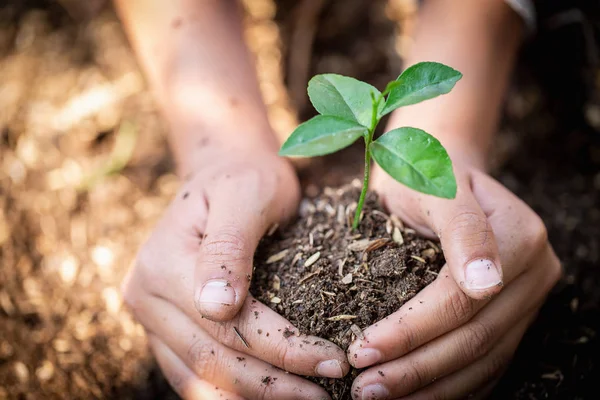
[
  {"x": 67, "y": 86},
  {"x": 332, "y": 281}
]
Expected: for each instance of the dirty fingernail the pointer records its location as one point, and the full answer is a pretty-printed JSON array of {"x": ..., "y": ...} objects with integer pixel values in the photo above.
[
  {"x": 214, "y": 293},
  {"x": 365, "y": 357},
  {"x": 375, "y": 392},
  {"x": 330, "y": 369},
  {"x": 481, "y": 274}
]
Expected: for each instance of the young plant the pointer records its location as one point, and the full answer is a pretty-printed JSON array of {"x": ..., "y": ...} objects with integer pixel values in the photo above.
[{"x": 351, "y": 109}]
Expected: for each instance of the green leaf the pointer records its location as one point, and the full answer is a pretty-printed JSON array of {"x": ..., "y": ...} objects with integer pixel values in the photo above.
[
  {"x": 323, "y": 134},
  {"x": 422, "y": 81},
  {"x": 343, "y": 97},
  {"x": 416, "y": 159}
]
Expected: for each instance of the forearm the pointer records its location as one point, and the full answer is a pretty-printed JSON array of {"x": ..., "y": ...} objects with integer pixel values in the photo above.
[
  {"x": 480, "y": 39},
  {"x": 201, "y": 72}
]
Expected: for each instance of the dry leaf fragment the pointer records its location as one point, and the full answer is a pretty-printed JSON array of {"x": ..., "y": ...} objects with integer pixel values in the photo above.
[
  {"x": 239, "y": 335},
  {"x": 340, "y": 215},
  {"x": 359, "y": 245},
  {"x": 341, "y": 267},
  {"x": 277, "y": 257},
  {"x": 397, "y": 236},
  {"x": 312, "y": 259},
  {"x": 376, "y": 244},
  {"x": 433, "y": 246},
  {"x": 397, "y": 221},
  {"x": 428, "y": 253},
  {"x": 307, "y": 277},
  {"x": 346, "y": 280},
  {"x": 276, "y": 283},
  {"x": 357, "y": 331},
  {"x": 341, "y": 317},
  {"x": 419, "y": 259},
  {"x": 275, "y": 300},
  {"x": 272, "y": 229},
  {"x": 297, "y": 257}
]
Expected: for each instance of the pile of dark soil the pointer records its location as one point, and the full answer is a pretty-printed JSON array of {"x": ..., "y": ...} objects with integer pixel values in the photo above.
[{"x": 331, "y": 281}]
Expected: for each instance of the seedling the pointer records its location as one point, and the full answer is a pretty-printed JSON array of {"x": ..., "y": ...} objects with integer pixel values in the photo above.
[{"x": 351, "y": 109}]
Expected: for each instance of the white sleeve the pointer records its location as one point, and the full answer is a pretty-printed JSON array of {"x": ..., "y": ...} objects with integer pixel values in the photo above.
[{"x": 526, "y": 10}]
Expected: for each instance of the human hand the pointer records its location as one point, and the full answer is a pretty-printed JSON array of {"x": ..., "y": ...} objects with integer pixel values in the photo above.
[
  {"x": 453, "y": 339},
  {"x": 190, "y": 282}
]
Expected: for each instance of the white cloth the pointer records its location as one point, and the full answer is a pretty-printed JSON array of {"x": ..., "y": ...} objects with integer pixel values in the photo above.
[{"x": 526, "y": 11}]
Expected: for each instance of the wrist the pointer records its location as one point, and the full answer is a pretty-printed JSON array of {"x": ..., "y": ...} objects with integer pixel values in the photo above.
[
  {"x": 202, "y": 126},
  {"x": 461, "y": 141},
  {"x": 197, "y": 143}
]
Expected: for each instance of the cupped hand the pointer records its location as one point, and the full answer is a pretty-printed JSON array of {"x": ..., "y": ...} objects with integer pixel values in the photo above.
[
  {"x": 456, "y": 337},
  {"x": 189, "y": 287}
]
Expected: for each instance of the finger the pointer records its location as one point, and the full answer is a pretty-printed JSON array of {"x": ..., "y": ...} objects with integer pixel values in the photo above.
[
  {"x": 185, "y": 383},
  {"x": 471, "y": 379},
  {"x": 228, "y": 369},
  {"x": 234, "y": 228},
  {"x": 460, "y": 347},
  {"x": 520, "y": 233},
  {"x": 271, "y": 338},
  {"x": 443, "y": 306},
  {"x": 468, "y": 240},
  {"x": 266, "y": 335}
]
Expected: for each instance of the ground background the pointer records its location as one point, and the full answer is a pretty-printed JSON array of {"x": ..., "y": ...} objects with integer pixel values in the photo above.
[{"x": 73, "y": 210}]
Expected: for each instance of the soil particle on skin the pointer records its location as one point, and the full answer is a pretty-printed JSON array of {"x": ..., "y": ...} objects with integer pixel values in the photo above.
[
  {"x": 332, "y": 281},
  {"x": 287, "y": 333}
]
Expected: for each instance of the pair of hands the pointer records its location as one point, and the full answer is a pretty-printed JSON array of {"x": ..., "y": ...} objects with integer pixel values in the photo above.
[{"x": 189, "y": 288}]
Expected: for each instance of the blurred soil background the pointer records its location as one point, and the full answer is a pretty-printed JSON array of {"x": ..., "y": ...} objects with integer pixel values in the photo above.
[{"x": 85, "y": 173}]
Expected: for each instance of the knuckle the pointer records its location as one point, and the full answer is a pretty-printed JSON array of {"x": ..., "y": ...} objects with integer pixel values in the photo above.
[
  {"x": 478, "y": 339},
  {"x": 472, "y": 228},
  {"x": 537, "y": 233},
  {"x": 225, "y": 245},
  {"x": 458, "y": 306},
  {"x": 410, "y": 338},
  {"x": 283, "y": 356},
  {"x": 202, "y": 357},
  {"x": 495, "y": 367},
  {"x": 556, "y": 271},
  {"x": 416, "y": 375}
]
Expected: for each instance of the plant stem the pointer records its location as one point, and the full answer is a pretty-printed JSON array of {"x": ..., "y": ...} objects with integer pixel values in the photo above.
[
  {"x": 365, "y": 187},
  {"x": 368, "y": 140}
]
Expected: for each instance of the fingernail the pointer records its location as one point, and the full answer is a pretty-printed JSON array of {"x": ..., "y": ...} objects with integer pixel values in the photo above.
[
  {"x": 216, "y": 291},
  {"x": 375, "y": 392},
  {"x": 481, "y": 274},
  {"x": 365, "y": 357},
  {"x": 330, "y": 369}
]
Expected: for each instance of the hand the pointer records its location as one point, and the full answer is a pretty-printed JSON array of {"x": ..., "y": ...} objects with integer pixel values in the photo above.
[
  {"x": 190, "y": 282},
  {"x": 453, "y": 339}
]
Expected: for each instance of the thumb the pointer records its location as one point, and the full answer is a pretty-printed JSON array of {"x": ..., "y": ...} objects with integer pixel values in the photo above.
[
  {"x": 468, "y": 242},
  {"x": 224, "y": 267}
]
